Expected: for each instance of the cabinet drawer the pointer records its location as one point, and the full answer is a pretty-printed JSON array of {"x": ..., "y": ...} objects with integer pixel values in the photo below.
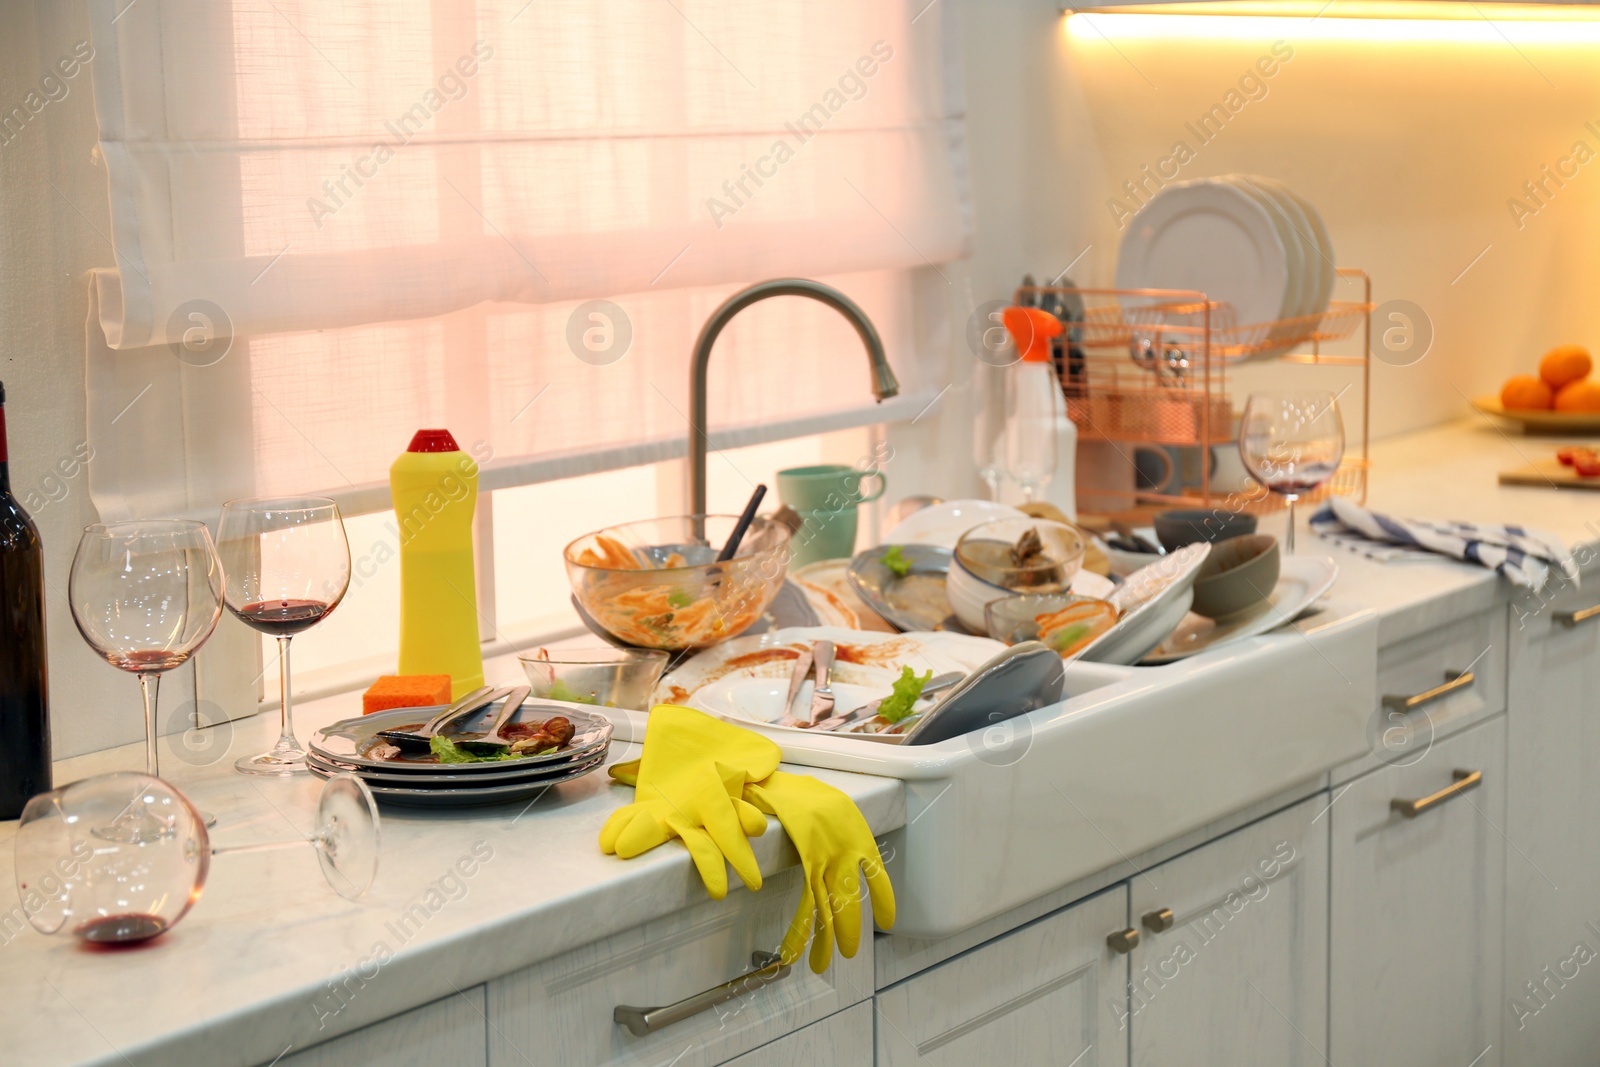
[
  {"x": 1052, "y": 992},
  {"x": 563, "y": 1007},
  {"x": 1424, "y": 693},
  {"x": 843, "y": 1040},
  {"x": 1417, "y": 908},
  {"x": 447, "y": 1031}
]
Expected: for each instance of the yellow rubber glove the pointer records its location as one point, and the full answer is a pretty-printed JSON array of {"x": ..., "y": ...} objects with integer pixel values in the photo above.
[
  {"x": 688, "y": 785},
  {"x": 836, "y": 848}
]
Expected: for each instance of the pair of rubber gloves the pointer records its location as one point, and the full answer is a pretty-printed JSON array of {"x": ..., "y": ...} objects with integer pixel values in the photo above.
[{"x": 711, "y": 785}]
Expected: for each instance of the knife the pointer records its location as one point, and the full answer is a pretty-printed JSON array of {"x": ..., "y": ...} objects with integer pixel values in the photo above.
[
  {"x": 797, "y": 678},
  {"x": 937, "y": 684},
  {"x": 822, "y": 696}
]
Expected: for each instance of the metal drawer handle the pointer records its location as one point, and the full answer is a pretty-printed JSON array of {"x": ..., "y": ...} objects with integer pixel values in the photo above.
[
  {"x": 1464, "y": 782},
  {"x": 1569, "y": 619},
  {"x": 1158, "y": 922},
  {"x": 1123, "y": 941},
  {"x": 769, "y": 967},
  {"x": 1454, "y": 681}
]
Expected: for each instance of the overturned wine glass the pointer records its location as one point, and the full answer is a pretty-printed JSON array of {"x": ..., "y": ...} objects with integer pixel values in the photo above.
[{"x": 117, "y": 889}]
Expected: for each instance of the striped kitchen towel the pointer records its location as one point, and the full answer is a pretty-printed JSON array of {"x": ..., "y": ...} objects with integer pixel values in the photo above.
[{"x": 1525, "y": 556}]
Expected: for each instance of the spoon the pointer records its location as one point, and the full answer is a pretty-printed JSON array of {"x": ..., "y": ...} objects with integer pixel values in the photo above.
[
  {"x": 492, "y": 743},
  {"x": 418, "y": 741},
  {"x": 742, "y": 526}
]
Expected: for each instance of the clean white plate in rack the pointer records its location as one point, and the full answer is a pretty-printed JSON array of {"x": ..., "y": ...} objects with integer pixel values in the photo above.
[{"x": 1209, "y": 236}]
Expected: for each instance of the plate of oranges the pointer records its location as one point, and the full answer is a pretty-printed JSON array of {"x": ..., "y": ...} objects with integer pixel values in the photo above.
[{"x": 1560, "y": 399}]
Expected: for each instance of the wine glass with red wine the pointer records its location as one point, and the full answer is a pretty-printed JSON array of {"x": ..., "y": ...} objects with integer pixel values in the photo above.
[
  {"x": 145, "y": 596},
  {"x": 288, "y": 566},
  {"x": 118, "y": 889},
  {"x": 1291, "y": 442}
]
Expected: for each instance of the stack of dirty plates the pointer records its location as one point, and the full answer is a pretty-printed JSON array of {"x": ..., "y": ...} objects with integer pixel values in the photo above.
[
  {"x": 1243, "y": 240},
  {"x": 420, "y": 780}
]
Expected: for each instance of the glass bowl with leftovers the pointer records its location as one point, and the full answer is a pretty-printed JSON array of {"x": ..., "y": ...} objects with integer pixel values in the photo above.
[
  {"x": 658, "y": 584},
  {"x": 609, "y": 677},
  {"x": 1063, "y": 622}
]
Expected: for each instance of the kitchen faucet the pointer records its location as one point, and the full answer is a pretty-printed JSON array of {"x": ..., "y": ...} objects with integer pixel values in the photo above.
[{"x": 884, "y": 384}]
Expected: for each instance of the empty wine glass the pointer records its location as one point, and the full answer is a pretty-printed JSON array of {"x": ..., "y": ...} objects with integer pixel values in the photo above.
[
  {"x": 1291, "y": 442},
  {"x": 145, "y": 595},
  {"x": 115, "y": 889},
  {"x": 288, "y": 566}
]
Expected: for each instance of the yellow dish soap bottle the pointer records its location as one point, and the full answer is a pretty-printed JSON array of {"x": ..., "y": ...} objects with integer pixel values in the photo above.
[{"x": 434, "y": 486}]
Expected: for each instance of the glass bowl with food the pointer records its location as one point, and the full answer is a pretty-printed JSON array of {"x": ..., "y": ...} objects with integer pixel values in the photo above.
[
  {"x": 658, "y": 583},
  {"x": 1064, "y": 622},
  {"x": 610, "y": 677},
  {"x": 1008, "y": 556}
]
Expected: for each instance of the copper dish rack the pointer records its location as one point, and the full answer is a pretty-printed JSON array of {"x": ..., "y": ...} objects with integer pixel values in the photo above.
[{"x": 1151, "y": 366}]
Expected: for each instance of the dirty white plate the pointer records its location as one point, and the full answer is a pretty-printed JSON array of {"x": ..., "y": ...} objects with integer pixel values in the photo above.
[
  {"x": 943, "y": 524},
  {"x": 867, "y": 660},
  {"x": 1150, "y": 605},
  {"x": 1301, "y": 580}
]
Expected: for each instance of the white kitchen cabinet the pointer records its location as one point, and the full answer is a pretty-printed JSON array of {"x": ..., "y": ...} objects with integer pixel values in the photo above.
[
  {"x": 565, "y": 1005},
  {"x": 842, "y": 1040},
  {"x": 1232, "y": 964},
  {"x": 1551, "y": 1006},
  {"x": 449, "y": 1031},
  {"x": 1050, "y": 993},
  {"x": 1417, "y": 919}
]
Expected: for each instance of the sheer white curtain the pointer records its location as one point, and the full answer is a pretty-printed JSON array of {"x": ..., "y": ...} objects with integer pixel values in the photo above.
[{"x": 335, "y": 223}]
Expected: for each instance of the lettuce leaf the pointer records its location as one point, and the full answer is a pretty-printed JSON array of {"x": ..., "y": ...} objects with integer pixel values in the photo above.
[
  {"x": 896, "y": 561},
  {"x": 907, "y": 688},
  {"x": 450, "y": 752}
]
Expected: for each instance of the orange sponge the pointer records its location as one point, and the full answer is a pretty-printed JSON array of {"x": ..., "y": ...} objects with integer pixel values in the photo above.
[{"x": 406, "y": 691}]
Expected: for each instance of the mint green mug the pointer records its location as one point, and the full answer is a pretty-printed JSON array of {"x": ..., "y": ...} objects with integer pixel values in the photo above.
[
  {"x": 827, "y": 487},
  {"x": 826, "y": 497}
]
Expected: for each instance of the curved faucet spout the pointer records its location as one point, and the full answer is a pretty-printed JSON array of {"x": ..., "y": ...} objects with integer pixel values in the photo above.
[{"x": 884, "y": 384}]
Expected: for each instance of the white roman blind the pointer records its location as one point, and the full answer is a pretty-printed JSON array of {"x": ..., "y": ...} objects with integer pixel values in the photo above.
[{"x": 335, "y": 223}]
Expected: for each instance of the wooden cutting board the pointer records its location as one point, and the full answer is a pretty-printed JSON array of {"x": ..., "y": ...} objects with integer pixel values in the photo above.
[{"x": 1548, "y": 473}]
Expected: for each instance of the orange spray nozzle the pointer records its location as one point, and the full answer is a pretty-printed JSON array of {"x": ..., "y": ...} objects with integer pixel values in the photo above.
[{"x": 1031, "y": 329}]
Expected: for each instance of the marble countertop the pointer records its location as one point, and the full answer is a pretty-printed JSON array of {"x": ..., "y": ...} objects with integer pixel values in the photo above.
[
  {"x": 1451, "y": 472},
  {"x": 246, "y": 977}
]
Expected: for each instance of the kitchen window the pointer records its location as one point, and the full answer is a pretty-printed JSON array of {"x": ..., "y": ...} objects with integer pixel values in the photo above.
[{"x": 334, "y": 226}]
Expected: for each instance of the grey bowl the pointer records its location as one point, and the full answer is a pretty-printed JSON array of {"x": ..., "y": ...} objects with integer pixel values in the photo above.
[
  {"x": 1185, "y": 526},
  {"x": 1239, "y": 573}
]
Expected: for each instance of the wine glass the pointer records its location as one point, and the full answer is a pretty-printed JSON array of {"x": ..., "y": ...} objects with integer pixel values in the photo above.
[
  {"x": 1291, "y": 442},
  {"x": 145, "y": 595},
  {"x": 288, "y": 566},
  {"x": 114, "y": 889}
]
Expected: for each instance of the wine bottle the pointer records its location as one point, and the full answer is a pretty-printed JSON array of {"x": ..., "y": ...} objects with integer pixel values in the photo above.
[{"x": 24, "y": 717}]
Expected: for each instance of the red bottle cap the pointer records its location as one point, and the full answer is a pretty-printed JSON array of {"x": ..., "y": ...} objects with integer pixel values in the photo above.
[
  {"x": 433, "y": 441},
  {"x": 1031, "y": 329}
]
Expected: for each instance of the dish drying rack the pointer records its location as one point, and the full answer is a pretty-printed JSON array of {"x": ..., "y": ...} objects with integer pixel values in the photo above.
[{"x": 1151, "y": 367}]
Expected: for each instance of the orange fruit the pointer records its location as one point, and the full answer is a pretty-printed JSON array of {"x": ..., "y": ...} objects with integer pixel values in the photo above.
[
  {"x": 1524, "y": 393},
  {"x": 1565, "y": 363},
  {"x": 1579, "y": 396}
]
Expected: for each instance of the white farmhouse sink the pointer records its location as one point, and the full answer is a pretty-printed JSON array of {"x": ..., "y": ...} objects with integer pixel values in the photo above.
[{"x": 1134, "y": 757}]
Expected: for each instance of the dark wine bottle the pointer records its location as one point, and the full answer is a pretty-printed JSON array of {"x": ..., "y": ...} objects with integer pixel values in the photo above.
[{"x": 24, "y": 716}]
